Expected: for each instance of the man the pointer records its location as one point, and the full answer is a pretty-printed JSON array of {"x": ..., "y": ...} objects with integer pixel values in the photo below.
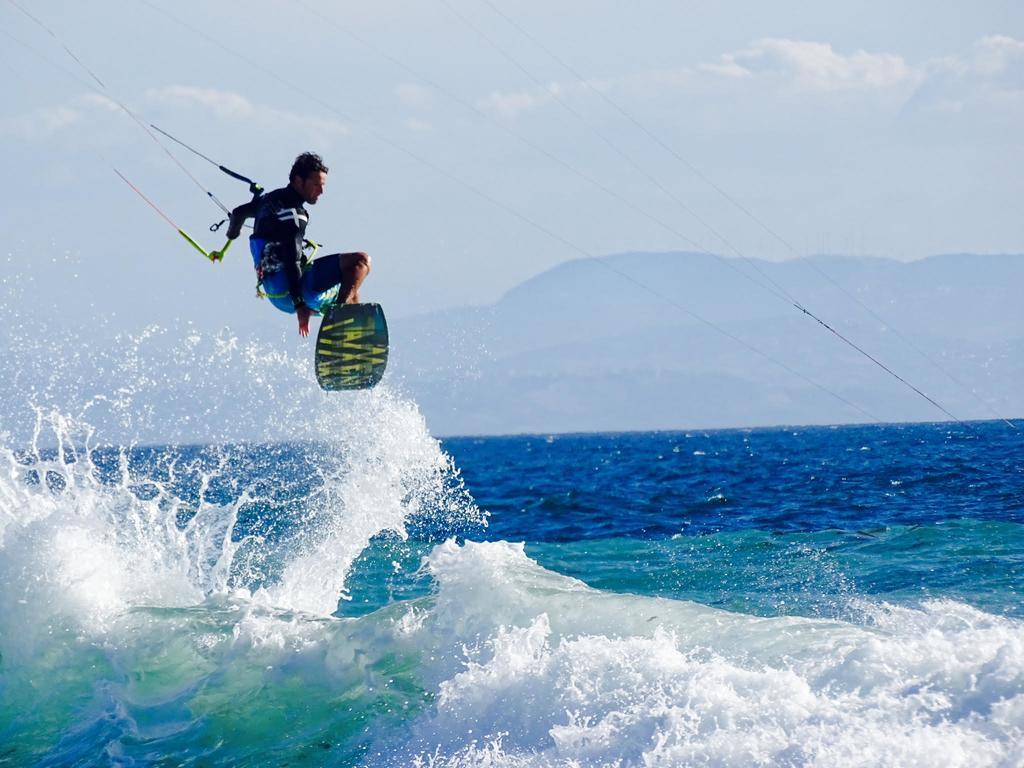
[{"x": 279, "y": 231}]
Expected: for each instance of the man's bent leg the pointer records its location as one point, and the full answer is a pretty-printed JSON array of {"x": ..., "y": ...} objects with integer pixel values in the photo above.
[
  {"x": 354, "y": 269},
  {"x": 339, "y": 274}
]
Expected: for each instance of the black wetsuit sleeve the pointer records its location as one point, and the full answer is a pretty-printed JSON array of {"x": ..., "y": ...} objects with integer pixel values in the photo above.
[{"x": 238, "y": 217}]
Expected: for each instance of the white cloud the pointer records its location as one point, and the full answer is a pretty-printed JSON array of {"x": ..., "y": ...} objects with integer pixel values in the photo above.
[
  {"x": 418, "y": 126},
  {"x": 221, "y": 103},
  {"x": 995, "y": 57},
  {"x": 48, "y": 121},
  {"x": 998, "y": 54},
  {"x": 995, "y": 64},
  {"x": 87, "y": 109},
  {"x": 814, "y": 66},
  {"x": 41, "y": 121},
  {"x": 989, "y": 76},
  {"x": 234, "y": 106},
  {"x": 413, "y": 96},
  {"x": 100, "y": 102},
  {"x": 512, "y": 104},
  {"x": 727, "y": 67},
  {"x": 800, "y": 66},
  {"x": 649, "y": 82}
]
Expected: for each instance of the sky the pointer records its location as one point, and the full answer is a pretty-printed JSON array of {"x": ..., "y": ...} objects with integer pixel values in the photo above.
[{"x": 476, "y": 143}]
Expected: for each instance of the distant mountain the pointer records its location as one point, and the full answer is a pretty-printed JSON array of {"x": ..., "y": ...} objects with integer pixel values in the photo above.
[
  {"x": 635, "y": 341},
  {"x": 686, "y": 340}
]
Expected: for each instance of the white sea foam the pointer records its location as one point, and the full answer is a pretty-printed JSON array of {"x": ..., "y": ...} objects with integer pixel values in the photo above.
[
  {"x": 118, "y": 598},
  {"x": 549, "y": 672},
  {"x": 82, "y": 545},
  {"x": 392, "y": 469}
]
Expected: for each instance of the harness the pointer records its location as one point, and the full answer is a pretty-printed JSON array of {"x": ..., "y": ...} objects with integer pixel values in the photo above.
[{"x": 266, "y": 267}]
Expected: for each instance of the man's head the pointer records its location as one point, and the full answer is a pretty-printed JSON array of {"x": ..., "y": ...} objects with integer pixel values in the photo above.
[{"x": 308, "y": 176}]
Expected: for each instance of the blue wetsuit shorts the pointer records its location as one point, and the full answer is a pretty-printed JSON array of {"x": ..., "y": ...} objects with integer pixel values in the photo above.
[{"x": 320, "y": 281}]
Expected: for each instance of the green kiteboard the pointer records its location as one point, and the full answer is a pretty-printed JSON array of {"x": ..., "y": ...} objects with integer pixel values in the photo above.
[{"x": 351, "y": 347}]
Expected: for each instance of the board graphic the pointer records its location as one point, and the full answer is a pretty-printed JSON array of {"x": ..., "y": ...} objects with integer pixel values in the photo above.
[{"x": 352, "y": 347}]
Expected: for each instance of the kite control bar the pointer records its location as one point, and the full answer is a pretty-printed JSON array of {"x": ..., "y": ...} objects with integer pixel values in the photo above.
[
  {"x": 255, "y": 189},
  {"x": 211, "y": 255}
]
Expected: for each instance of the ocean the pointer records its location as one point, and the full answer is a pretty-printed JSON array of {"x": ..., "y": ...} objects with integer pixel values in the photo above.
[{"x": 806, "y": 596}]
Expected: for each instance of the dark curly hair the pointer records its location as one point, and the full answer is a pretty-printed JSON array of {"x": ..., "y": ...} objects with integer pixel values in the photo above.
[{"x": 305, "y": 164}]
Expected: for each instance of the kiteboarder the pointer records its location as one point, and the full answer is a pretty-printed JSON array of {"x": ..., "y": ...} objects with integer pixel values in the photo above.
[{"x": 285, "y": 277}]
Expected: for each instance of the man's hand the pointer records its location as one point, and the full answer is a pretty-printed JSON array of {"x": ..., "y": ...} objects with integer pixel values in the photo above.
[{"x": 304, "y": 313}]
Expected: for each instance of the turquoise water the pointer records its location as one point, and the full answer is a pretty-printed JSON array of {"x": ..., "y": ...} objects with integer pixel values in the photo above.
[{"x": 846, "y": 596}]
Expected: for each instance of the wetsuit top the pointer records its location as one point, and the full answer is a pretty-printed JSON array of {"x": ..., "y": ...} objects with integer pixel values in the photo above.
[{"x": 280, "y": 225}]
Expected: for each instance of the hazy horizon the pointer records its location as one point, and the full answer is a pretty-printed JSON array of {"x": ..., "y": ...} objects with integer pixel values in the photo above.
[{"x": 547, "y": 359}]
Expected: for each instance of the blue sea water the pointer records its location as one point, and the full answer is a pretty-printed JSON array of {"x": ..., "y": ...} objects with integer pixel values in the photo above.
[{"x": 842, "y": 596}]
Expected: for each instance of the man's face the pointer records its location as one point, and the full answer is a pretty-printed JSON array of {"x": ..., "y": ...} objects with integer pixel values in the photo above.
[{"x": 311, "y": 187}]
